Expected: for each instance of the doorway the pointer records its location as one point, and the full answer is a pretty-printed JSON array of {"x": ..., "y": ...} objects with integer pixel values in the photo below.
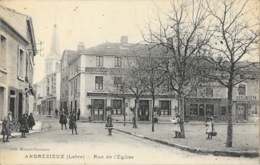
[
  {"x": 143, "y": 111},
  {"x": 98, "y": 109}
]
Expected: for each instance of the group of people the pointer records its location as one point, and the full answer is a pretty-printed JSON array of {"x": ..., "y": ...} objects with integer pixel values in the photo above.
[
  {"x": 73, "y": 122},
  {"x": 26, "y": 124},
  {"x": 177, "y": 123}
]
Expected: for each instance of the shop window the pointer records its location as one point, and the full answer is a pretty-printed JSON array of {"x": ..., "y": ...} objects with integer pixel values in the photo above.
[
  {"x": 117, "y": 107},
  {"x": 117, "y": 83},
  {"x": 99, "y": 83},
  {"x": 194, "y": 109},
  {"x": 242, "y": 89},
  {"x": 3, "y": 52},
  {"x": 209, "y": 109},
  {"x": 223, "y": 111},
  {"x": 118, "y": 61},
  {"x": 165, "y": 108},
  {"x": 99, "y": 61},
  {"x": 253, "y": 108},
  {"x": 209, "y": 92}
]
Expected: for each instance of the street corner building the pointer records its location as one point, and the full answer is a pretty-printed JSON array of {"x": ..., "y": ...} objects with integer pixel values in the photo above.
[
  {"x": 91, "y": 80},
  {"x": 17, "y": 51}
]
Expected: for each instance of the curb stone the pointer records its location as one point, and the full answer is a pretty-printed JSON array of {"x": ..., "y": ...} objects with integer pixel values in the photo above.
[{"x": 248, "y": 154}]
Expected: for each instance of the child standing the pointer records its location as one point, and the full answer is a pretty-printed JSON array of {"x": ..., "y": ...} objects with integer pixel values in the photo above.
[
  {"x": 209, "y": 127},
  {"x": 6, "y": 129},
  {"x": 109, "y": 125}
]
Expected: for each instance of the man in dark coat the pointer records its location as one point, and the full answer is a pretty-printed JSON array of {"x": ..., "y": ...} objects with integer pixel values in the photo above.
[
  {"x": 72, "y": 122},
  {"x": 24, "y": 125},
  {"x": 63, "y": 120},
  {"x": 31, "y": 121}
]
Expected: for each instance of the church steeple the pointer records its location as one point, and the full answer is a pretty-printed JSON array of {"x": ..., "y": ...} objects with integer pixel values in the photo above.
[
  {"x": 52, "y": 62},
  {"x": 55, "y": 47}
]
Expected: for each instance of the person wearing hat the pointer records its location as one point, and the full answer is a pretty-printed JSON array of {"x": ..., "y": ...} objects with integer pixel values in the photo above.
[
  {"x": 72, "y": 122},
  {"x": 31, "y": 121},
  {"x": 109, "y": 125},
  {"x": 63, "y": 120},
  {"x": 6, "y": 129},
  {"x": 24, "y": 125},
  {"x": 209, "y": 127},
  {"x": 176, "y": 125}
]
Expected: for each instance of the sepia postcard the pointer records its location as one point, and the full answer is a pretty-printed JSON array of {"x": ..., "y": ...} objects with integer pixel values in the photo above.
[{"x": 129, "y": 82}]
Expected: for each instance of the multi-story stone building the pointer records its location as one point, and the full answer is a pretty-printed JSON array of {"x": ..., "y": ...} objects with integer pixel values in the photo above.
[
  {"x": 64, "y": 86},
  {"x": 17, "y": 51},
  {"x": 211, "y": 100},
  {"x": 94, "y": 82}
]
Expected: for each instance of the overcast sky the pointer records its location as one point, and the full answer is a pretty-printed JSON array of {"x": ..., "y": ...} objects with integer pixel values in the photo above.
[
  {"x": 88, "y": 21},
  {"x": 91, "y": 22}
]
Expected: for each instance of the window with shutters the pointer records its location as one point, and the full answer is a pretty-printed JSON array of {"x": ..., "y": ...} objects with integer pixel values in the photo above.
[
  {"x": 21, "y": 63},
  {"x": 118, "y": 61},
  {"x": 117, "y": 83},
  {"x": 99, "y": 61},
  {"x": 209, "y": 92},
  {"x": 99, "y": 82},
  {"x": 242, "y": 89},
  {"x": 3, "y": 52}
]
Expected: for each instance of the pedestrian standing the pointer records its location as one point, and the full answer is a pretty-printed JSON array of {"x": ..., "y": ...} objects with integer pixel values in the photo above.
[
  {"x": 24, "y": 125},
  {"x": 72, "y": 122},
  {"x": 6, "y": 129},
  {"x": 176, "y": 125},
  {"x": 10, "y": 118},
  {"x": 63, "y": 120},
  {"x": 209, "y": 127},
  {"x": 109, "y": 125},
  {"x": 78, "y": 114},
  {"x": 56, "y": 112},
  {"x": 31, "y": 121}
]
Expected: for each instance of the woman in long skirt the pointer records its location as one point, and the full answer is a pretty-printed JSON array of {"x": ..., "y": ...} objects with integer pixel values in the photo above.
[{"x": 24, "y": 126}]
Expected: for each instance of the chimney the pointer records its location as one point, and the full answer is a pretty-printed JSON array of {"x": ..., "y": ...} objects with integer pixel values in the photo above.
[
  {"x": 81, "y": 46},
  {"x": 124, "y": 39}
]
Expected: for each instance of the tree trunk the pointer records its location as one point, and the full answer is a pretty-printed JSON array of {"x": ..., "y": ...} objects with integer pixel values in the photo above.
[
  {"x": 153, "y": 112},
  {"x": 124, "y": 109},
  {"x": 135, "y": 112},
  {"x": 181, "y": 111},
  {"x": 230, "y": 123}
]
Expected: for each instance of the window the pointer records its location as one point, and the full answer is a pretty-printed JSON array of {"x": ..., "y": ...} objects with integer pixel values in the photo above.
[
  {"x": 99, "y": 61},
  {"x": 117, "y": 83},
  {"x": 165, "y": 108},
  {"x": 118, "y": 61},
  {"x": 117, "y": 107},
  {"x": 21, "y": 65},
  {"x": 99, "y": 83},
  {"x": 209, "y": 109},
  {"x": 3, "y": 52},
  {"x": 242, "y": 89},
  {"x": 223, "y": 111},
  {"x": 253, "y": 108},
  {"x": 75, "y": 85},
  {"x": 209, "y": 92},
  {"x": 194, "y": 109}
]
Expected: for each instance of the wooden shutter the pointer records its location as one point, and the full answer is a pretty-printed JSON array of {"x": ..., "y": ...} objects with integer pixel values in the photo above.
[
  {"x": 105, "y": 112},
  {"x": 216, "y": 109},
  {"x": 92, "y": 105}
]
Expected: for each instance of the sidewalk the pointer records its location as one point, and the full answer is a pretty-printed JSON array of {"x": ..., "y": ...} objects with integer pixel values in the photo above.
[
  {"x": 245, "y": 138},
  {"x": 36, "y": 129}
]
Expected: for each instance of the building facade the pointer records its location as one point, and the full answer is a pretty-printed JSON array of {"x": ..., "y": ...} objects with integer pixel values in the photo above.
[
  {"x": 94, "y": 84},
  {"x": 17, "y": 51}
]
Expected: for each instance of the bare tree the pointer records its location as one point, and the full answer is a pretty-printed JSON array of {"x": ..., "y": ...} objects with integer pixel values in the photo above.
[
  {"x": 236, "y": 37},
  {"x": 154, "y": 73},
  {"x": 183, "y": 33}
]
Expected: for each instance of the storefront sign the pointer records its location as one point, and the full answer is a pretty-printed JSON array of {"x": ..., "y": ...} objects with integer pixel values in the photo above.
[
  {"x": 102, "y": 70},
  {"x": 246, "y": 98}
]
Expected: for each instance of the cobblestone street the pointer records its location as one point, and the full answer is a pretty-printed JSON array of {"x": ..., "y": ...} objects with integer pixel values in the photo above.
[{"x": 93, "y": 146}]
